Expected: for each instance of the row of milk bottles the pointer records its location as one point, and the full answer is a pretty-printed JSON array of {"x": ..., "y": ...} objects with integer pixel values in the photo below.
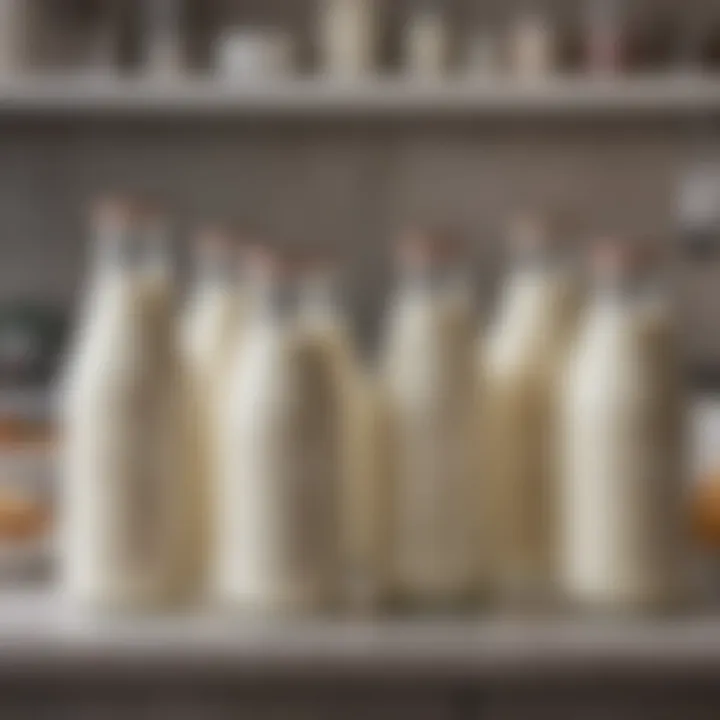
[{"x": 243, "y": 452}]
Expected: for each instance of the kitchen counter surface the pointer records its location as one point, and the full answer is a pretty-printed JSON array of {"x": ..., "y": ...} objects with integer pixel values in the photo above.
[
  {"x": 57, "y": 663},
  {"x": 38, "y": 634}
]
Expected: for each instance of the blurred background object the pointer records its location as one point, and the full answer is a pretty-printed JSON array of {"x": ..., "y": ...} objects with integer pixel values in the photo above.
[
  {"x": 347, "y": 36},
  {"x": 427, "y": 40},
  {"x": 606, "y": 37},
  {"x": 532, "y": 43},
  {"x": 164, "y": 30},
  {"x": 254, "y": 54},
  {"x": 31, "y": 344}
]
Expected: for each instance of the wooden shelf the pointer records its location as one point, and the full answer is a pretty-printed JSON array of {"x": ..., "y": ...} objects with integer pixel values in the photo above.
[{"x": 78, "y": 96}]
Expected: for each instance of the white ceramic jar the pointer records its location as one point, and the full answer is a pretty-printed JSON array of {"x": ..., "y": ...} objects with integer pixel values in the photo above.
[{"x": 347, "y": 37}]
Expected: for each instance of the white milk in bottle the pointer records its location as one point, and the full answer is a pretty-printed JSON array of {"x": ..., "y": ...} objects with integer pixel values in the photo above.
[
  {"x": 520, "y": 368},
  {"x": 621, "y": 509},
  {"x": 356, "y": 392},
  {"x": 428, "y": 396},
  {"x": 277, "y": 535},
  {"x": 123, "y": 517},
  {"x": 326, "y": 325},
  {"x": 212, "y": 327}
]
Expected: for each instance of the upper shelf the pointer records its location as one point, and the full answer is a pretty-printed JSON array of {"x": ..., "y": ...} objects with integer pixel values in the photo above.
[{"x": 392, "y": 96}]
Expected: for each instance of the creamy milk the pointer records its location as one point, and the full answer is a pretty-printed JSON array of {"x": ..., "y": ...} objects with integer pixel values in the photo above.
[
  {"x": 212, "y": 328},
  {"x": 277, "y": 536},
  {"x": 363, "y": 541},
  {"x": 428, "y": 386},
  {"x": 521, "y": 366},
  {"x": 125, "y": 498},
  {"x": 621, "y": 494}
]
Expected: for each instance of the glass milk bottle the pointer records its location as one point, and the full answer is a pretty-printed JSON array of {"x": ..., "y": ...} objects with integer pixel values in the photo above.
[
  {"x": 521, "y": 365},
  {"x": 277, "y": 535},
  {"x": 123, "y": 518},
  {"x": 356, "y": 394},
  {"x": 211, "y": 328},
  {"x": 428, "y": 396},
  {"x": 621, "y": 506}
]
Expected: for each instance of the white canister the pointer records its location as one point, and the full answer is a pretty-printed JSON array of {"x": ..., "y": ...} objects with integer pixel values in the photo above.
[
  {"x": 253, "y": 53},
  {"x": 347, "y": 37},
  {"x": 532, "y": 47},
  {"x": 18, "y": 21}
]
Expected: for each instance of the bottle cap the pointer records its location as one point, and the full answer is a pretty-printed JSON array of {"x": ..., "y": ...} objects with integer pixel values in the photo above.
[
  {"x": 151, "y": 209},
  {"x": 217, "y": 240},
  {"x": 424, "y": 248},
  {"x": 318, "y": 260},
  {"x": 268, "y": 263},
  {"x": 119, "y": 211},
  {"x": 536, "y": 232},
  {"x": 615, "y": 257}
]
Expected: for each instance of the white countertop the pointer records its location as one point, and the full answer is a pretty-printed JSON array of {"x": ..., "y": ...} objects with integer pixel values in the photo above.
[{"x": 39, "y": 634}]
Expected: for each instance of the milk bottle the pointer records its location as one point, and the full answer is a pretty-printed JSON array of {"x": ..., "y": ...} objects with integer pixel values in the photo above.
[
  {"x": 277, "y": 541},
  {"x": 211, "y": 328},
  {"x": 361, "y": 512},
  {"x": 621, "y": 492},
  {"x": 123, "y": 515},
  {"x": 322, "y": 316},
  {"x": 521, "y": 365},
  {"x": 428, "y": 398}
]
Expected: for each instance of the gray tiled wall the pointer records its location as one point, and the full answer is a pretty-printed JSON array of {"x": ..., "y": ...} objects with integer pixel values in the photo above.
[
  {"x": 343, "y": 184},
  {"x": 346, "y": 184}
]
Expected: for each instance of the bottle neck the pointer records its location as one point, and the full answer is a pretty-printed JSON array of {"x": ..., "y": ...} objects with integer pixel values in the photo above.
[
  {"x": 320, "y": 291},
  {"x": 215, "y": 273},
  {"x": 431, "y": 279},
  {"x": 274, "y": 300},
  {"x": 628, "y": 288},
  {"x": 122, "y": 251}
]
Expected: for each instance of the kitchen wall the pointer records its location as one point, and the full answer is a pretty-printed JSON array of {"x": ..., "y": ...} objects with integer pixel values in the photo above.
[{"x": 349, "y": 184}]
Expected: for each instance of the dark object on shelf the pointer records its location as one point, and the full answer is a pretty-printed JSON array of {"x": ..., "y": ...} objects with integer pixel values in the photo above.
[
  {"x": 606, "y": 37},
  {"x": 656, "y": 39},
  {"x": 31, "y": 342},
  {"x": 701, "y": 244},
  {"x": 711, "y": 45}
]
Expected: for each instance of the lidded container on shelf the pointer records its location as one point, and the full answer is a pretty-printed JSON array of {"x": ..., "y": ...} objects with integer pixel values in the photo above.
[
  {"x": 164, "y": 26},
  {"x": 426, "y": 39},
  {"x": 348, "y": 37},
  {"x": 532, "y": 44}
]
